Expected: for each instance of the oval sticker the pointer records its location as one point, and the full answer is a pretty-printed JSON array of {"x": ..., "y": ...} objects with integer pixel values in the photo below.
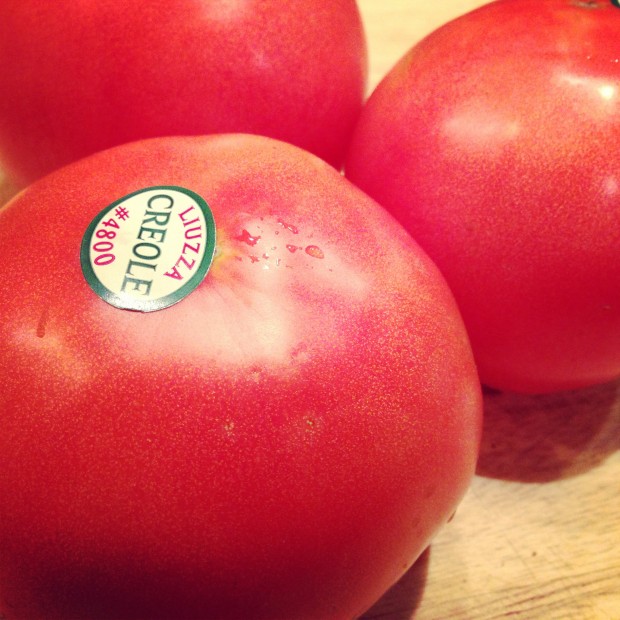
[{"x": 149, "y": 249}]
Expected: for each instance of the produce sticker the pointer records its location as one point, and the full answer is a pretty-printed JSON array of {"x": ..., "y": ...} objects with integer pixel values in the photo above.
[{"x": 150, "y": 249}]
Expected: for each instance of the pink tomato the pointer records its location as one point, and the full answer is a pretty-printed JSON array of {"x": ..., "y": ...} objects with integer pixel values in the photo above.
[
  {"x": 495, "y": 142},
  {"x": 231, "y": 387},
  {"x": 78, "y": 77}
]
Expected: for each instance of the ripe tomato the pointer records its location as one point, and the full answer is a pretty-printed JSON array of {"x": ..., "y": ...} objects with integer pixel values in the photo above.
[
  {"x": 495, "y": 142},
  {"x": 280, "y": 439},
  {"x": 78, "y": 77}
]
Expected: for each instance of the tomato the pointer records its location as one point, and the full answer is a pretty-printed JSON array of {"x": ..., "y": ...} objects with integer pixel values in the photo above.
[
  {"x": 494, "y": 141},
  {"x": 78, "y": 77},
  {"x": 279, "y": 437}
]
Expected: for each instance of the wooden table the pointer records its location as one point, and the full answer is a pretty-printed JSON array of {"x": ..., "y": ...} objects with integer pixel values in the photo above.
[{"x": 538, "y": 534}]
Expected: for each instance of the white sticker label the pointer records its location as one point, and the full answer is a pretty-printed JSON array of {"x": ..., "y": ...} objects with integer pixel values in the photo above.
[{"x": 149, "y": 249}]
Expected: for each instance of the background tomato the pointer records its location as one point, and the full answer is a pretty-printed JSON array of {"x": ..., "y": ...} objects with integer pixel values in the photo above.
[
  {"x": 80, "y": 77},
  {"x": 281, "y": 443},
  {"x": 495, "y": 142}
]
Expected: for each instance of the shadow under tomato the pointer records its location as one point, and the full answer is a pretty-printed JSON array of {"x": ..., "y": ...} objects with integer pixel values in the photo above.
[
  {"x": 549, "y": 437},
  {"x": 403, "y": 598}
]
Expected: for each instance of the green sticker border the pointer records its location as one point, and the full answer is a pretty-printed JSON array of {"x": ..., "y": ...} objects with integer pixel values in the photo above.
[{"x": 127, "y": 302}]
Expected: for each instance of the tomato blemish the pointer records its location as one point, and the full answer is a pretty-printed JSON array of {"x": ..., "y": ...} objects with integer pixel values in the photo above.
[
  {"x": 42, "y": 324},
  {"x": 588, "y": 4}
]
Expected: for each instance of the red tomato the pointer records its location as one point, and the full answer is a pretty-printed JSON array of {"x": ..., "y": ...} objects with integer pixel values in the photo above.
[
  {"x": 495, "y": 142},
  {"x": 282, "y": 442},
  {"x": 78, "y": 77}
]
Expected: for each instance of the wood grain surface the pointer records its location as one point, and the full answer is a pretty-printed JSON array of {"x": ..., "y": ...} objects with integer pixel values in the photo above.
[{"x": 537, "y": 536}]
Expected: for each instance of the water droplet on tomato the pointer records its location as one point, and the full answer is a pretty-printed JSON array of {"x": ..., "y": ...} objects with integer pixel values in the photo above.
[
  {"x": 314, "y": 251},
  {"x": 293, "y": 248},
  {"x": 290, "y": 227},
  {"x": 246, "y": 237}
]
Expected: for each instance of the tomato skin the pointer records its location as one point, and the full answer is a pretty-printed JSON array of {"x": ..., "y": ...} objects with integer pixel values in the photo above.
[
  {"x": 282, "y": 443},
  {"x": 495, "y": 142},
  {"x": 77, "y": 78}
]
